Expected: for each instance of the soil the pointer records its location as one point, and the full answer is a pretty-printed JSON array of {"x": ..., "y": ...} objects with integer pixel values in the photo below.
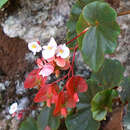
[
  {"x": 12, "y": 56},
  {"x": 114, "y": 120}
]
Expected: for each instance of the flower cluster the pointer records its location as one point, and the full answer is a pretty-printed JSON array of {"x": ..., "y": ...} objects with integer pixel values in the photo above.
[{"x": 54, "y": 59}]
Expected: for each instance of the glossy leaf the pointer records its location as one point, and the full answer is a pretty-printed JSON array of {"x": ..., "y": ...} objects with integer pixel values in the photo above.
[
  {"x": 74, "y": 16},
  {"x": 46, "y": 118},
  {"x": 125, "y": 93},
  {"x": 110, "y": 74},
  {"x": 3, "y": 2},
  {"x": 82, "y": 120},
  {"x": 102, "y": 103},
  {"x": 102, "y": 34},
  {"x": 29, "y": 124}
]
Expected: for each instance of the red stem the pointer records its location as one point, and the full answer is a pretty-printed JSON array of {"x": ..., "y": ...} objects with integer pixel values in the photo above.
[
  {"x": 62, "y": 78},
  {"x": 84, "y": 31},
  {"x": 75, "y": 48}
]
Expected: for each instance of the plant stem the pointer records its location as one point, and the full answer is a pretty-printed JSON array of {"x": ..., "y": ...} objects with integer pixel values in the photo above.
[
  {"x": 75, "y": 48},
  {"x": 123, "y": 13},
  {"x": 62, "y": 78},
  {"x": 84, "y": 31}
]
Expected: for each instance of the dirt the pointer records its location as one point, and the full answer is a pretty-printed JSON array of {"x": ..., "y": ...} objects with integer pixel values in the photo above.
[
  {"x": 12, "y": 56},
  {"x": 114, "y": 121}
]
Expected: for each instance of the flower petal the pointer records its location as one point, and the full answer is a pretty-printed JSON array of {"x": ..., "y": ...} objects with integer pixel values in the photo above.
[
  {"x": 33, "y": 79},
  {"x": 41, "y": 95},
  {"x": 52, "y": 42},
  {"x": 39, "y": 63},
  {"x": 60, "y": 62},
  {"x": 47, "y": 128},
  {"x": 63, "y": 51},
  {"x": 34, "y": 47},
  {"x": 46, "y": 70},
  {"x": 13, "y": 108},
  {"x": 76, "y": 84},
  {"x": 67, "y": 65},
  {"x": 64, "y": 112},
  {"x": 48, "y": 54}
]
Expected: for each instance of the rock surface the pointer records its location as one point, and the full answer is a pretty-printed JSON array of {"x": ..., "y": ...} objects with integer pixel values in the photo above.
[{"x": 38, "y": 20}]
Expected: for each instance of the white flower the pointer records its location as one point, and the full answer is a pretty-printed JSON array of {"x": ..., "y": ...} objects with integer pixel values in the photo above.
[
  {"x": 63, "y": 51},
  {"x": 34, "y": 47},
  {"x": 13, "y": 108},
  {"x": 50, "y": 49}
]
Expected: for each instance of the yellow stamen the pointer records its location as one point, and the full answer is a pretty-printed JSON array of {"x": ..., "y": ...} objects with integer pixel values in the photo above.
[
  {"x": 34, "y": 46},
  {"x": 49, "y": 47},
  {"x": 61, "y": 51}
]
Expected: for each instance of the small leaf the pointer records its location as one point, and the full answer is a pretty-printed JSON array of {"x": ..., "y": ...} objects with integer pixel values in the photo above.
[
  {"x": 82, "y": 120},
  {"x": 101, "y": 37},
  {"x": 102, "y": 103},
  {"x": 110, "y": 74},
  {"x": 29, "y": 124},
  {"x": 2, "y": 2},
  {"x": 125, "y": 93},
  {"x": 46, "y": 118}
]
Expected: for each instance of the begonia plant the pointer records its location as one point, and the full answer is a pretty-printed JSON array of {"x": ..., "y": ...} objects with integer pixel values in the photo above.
[{"x": 82, "y": 103}]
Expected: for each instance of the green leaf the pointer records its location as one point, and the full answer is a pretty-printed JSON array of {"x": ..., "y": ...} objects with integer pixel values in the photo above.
[
  {"x": 46, "y": 118},
  {"x": 126, "y": 120},
  {"x": 83, "y": 101},
  {"x": 101, "y": 37},
  {"x": 82, "y": 120},
  {"x": 85, "y": 98},
  {"x": 110, "y": 74},
  {"x": 102, "y": 103},
  {"x": 2, "y": 2},
  {"x": 93, "y": 88},
  {"x": 74, "y": 16},
  {"x": 81, "y": 25},
  {"x": 125, "y": 93},
  {"x": 91, "y": 50},
  {"x": 29, "y": 124}
]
